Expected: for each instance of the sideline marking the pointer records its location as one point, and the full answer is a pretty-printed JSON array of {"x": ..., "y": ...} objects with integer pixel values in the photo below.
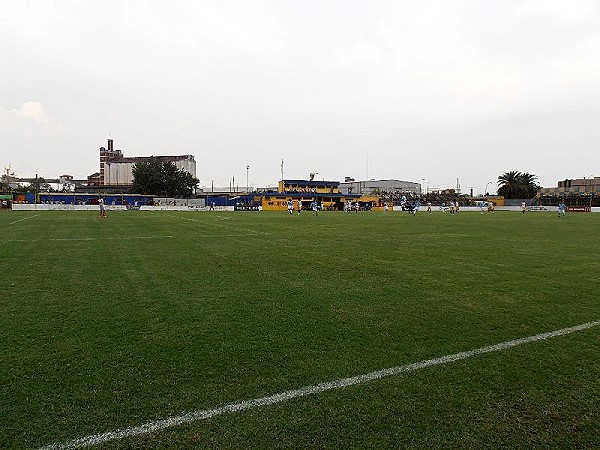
[
  {"x": 157, "y": 425},
  {"x": 24, "y": 218},
  {"x": 88, "y": 239}
]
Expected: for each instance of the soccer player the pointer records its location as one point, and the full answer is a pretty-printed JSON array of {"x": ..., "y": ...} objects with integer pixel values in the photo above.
[
  {"x": 523, "y": 207},
  {"x": 482, "y": 206},
  {"x": 429, "y": 207},
  {"x": 416, "y": 207},
  {"x": 299, "y": 206},
  {"x": 290, "y": 206},
  {"x": 562, "y": 209},
  {"x": 102, "y": 209},
  {"x": 385, "y": 207},
  {"x": 314, "y": 207}
]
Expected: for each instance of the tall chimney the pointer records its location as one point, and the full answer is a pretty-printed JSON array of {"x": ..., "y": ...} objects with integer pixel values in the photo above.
[{"x": 110, "y": 145}]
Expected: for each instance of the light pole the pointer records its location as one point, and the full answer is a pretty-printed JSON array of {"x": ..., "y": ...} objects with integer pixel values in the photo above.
[
  {"x": 486, "y": 188},
  {"x": 591, "y": 190},
  {"x": 247, "y": 175}
]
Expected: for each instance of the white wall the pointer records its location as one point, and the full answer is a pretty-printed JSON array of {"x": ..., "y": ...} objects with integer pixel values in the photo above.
[
  {"x": 59, "y": 207},
  {"x": 118, "y": 173}
]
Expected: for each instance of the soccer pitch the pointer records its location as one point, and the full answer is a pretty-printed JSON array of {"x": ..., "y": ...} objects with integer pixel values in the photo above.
[{"x": 112, "y": 324}]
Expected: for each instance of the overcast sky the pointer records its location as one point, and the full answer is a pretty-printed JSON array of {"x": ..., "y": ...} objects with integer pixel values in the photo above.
[{"x": 411, "y": 90}]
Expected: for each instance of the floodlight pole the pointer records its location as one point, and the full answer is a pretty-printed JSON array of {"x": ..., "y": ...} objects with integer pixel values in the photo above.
[{"x": 247, "y": 177}]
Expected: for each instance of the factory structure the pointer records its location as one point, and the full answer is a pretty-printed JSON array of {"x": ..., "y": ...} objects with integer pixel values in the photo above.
[
  {"x": 352, "y": 186},
  {"x": 116, "y": 170}
]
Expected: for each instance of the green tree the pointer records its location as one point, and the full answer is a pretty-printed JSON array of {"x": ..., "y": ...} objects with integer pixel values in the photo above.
[
  {"x": 158, "y": 177},
  {"x": 515, "y": 184}
]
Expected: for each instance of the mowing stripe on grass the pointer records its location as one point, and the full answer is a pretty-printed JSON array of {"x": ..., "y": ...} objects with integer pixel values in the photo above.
[
  {"x": 113, "y": 238},
  {"x": 213, "y": 224},
  {"x": 24, "y": 218},
  {"x": 194, "y": 416}
]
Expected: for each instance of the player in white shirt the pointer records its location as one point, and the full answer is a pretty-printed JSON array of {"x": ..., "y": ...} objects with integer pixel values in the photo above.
[{"x": 102, "y": 209}]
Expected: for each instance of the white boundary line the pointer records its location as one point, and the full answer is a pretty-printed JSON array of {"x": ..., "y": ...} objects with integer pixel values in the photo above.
[
  {"x": 24, "y": 218},
  {"x": 157, "y": 425}
]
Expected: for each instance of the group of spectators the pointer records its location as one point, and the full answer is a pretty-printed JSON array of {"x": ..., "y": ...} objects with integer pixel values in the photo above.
[
  {"x": 303, "y": 191},
  {"x": 569, "y": 199}
]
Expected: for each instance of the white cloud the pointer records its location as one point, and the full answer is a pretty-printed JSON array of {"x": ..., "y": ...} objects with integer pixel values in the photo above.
[
  {"x": 31, "y": 119},
  {"x": 32, "y": 110}
]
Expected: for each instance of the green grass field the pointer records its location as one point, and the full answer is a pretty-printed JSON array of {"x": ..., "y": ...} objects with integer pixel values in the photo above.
[{"x": 111, "y": 323}]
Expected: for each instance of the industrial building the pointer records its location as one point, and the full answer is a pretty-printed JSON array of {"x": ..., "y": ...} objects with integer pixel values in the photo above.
[
  {"x": 370, "y": 187},
  {"x": 116, "y": 170}
]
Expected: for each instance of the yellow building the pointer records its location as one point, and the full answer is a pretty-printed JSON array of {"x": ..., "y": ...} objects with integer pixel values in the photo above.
[
  {"x": 498, "y": 200},
  {"x": 326, "y": 193}
]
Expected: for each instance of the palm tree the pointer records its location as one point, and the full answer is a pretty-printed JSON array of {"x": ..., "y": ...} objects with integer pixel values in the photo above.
[
  {"x": 515, "y": 184},
  {"x": 510, "y": 184},
  {"x": 530, "y": 184}
]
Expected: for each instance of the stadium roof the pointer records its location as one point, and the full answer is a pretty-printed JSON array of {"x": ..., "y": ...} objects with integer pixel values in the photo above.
[
  {"x": 134, "y": 159},
  {"x": 308, "y": 194},
  {"x": 312, "y": 183}
]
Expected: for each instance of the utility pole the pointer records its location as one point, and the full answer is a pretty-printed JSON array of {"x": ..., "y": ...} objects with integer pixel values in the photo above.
[{"x": 247, "y": 177}]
